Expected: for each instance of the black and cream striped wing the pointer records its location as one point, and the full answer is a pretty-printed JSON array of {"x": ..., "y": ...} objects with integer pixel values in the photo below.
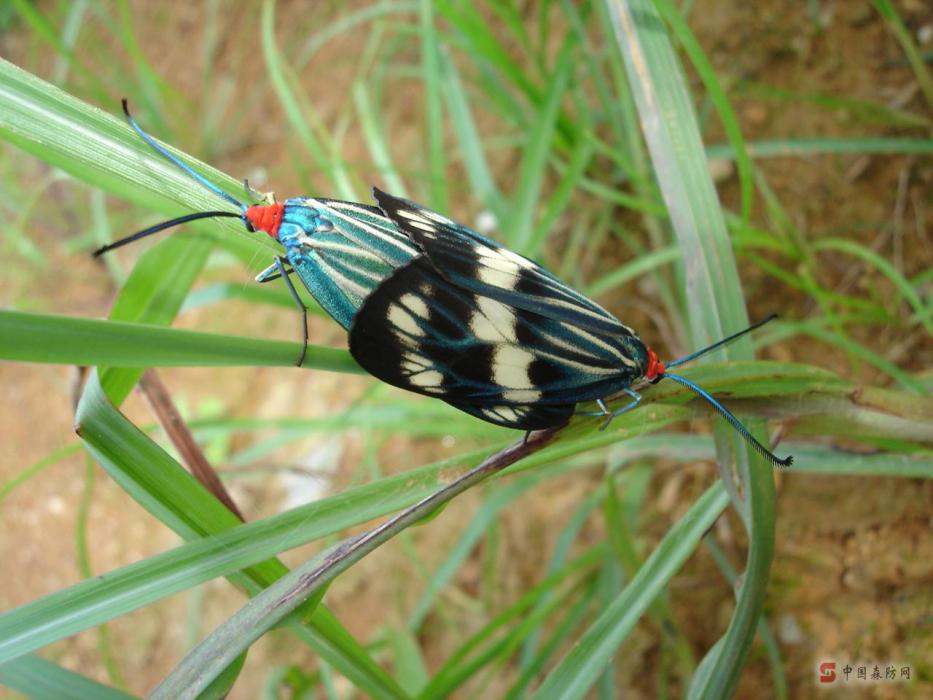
[
  {"x": 507, "y": 365},
  {"x": 478, "y": 264}
]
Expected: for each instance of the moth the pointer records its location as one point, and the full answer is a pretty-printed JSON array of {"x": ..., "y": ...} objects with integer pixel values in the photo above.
[{"x": 436, "y": 308}]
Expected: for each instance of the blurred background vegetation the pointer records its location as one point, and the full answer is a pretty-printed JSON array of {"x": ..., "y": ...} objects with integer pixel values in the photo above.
[{"x": 524, "y": 121}]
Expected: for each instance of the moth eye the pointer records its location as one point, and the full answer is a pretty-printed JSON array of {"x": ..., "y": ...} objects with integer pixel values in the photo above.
[{"x": 249, "y": 226}]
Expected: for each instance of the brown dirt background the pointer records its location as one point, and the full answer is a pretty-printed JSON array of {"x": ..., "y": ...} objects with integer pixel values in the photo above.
[{"x": 852, "y": 577}]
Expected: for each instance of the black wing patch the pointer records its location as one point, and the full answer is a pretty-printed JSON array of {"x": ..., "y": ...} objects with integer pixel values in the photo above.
[
  {"x": 476, "y": 263},
  {"x": 519, "y": 417},
  {"x": 417, "y": 331}
]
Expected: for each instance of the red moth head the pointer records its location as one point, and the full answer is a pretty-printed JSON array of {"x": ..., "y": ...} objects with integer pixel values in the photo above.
[
  {"x": 265, "y": 217},
  {"x": 656, "y": 368}
]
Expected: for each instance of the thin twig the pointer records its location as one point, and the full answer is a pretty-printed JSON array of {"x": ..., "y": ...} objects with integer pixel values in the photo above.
[{"x": 175, "y": 427}]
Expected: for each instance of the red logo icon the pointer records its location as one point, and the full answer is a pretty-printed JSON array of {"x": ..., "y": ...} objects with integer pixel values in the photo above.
[{"x": 827, "y": 672}]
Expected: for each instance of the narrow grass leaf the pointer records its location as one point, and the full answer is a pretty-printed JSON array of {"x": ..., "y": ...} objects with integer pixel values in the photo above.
[
  {"x": 471, "y": 146},
  {"x": 803, "y": 147},
  {"x": 718, "y": 97},
  {"x": 79, "y": 341},
  {"x": 519, "y": 225},
  {"x": 921, "y": 72},
  {"x": 376, "y": 141},
  {"x": 579, "y": 670},
  {"x": 433, "y": 110},
  {"x": 907, "y": 292},
  {"x": 712, "y": 288},
  {"x": 39, "y": 679},
  {"x": 634, "y": 269},
  {"x": 103, "y": 151}
]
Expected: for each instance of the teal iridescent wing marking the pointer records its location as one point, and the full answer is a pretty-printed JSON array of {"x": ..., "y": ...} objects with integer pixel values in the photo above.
[
  {"x": 340, "y": 250},
  {"x": 476, "y": 263}
]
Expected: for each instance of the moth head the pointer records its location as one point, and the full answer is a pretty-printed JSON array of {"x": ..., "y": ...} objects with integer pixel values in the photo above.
[
  {"x": 656, "y": 368},
  {"x": 261, "y": 217},
  {"x": 264, "y": 217}
]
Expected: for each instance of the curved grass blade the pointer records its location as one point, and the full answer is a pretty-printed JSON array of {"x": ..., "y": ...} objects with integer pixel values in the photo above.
[
  {"x": 712, "y": 286},
  {"x": 161, "y": 486}
]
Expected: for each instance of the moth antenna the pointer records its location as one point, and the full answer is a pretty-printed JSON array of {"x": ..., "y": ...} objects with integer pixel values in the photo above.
[
  {"x": 735, "y": 422},
  {"x": 162, "y": 151},
  {"x": 161, "y": 227},
  {"x": 720, "y": 343}
]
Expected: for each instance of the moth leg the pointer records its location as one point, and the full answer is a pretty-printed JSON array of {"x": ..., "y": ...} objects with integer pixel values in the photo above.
[
  {"x": 636, "y": 399},
  {"x": 603, "y": 410},
  {"x": 283, "y": 273},
  {"x": 271, "y": 273}
]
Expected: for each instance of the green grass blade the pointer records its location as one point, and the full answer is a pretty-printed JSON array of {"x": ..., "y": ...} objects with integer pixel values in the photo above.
[
  {"x": 346, "y": 24},
  {"x": 817, "y": 329},
  {"x": 860, "y": 111},
  {"x": 433, "y": 109},
  {"x": 153, "y": 293},
  {"x": 408, "y": 660},
  {"x": 161, "y": 486},
  {"x": 42, "y": 27},
  {"x": 103, "y": 151},
  {"x": 287, "y": 91},
  {"x": 71, "y": 26},
  {"x": 715, "y": 302},
  {"x": 921, "y": 73},
  {"x": 579, "y": 670},
  {"x": 79, "y": 341},
  {"x": 556, "y": 205},
  {"x": 471, "y": 534},
  {"x": 765, "y": 635},
  {"x": 471, "y": 146},
  {"x": 519, "y": 225},
  {"x": 7, "y": 487},
  {"x": 907, "y": 292},
  {"x": 679, "y": 159},
  {"x": 717, "y": 96},
  {"x": 634, "y": 269},
  {"x": 802, "y": 147},
  {"x": 505, "y": 628},
  {"x": 811, "y": 459},
  {"x": 39, "y": 679},
  {"x": 376, "y": 141},
  {"x": 285, "y": 596}
]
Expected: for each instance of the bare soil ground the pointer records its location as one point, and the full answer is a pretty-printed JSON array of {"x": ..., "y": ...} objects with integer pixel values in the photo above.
[{"x": 852, "y": 575}]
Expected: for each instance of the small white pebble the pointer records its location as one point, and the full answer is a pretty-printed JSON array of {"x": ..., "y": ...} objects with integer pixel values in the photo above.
[
  {"x": 486, "y": 222},
  {"x": 788, "y": 630},
  {"x": 55, "y": 505},
  {"x": 925, "y": 34}
]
